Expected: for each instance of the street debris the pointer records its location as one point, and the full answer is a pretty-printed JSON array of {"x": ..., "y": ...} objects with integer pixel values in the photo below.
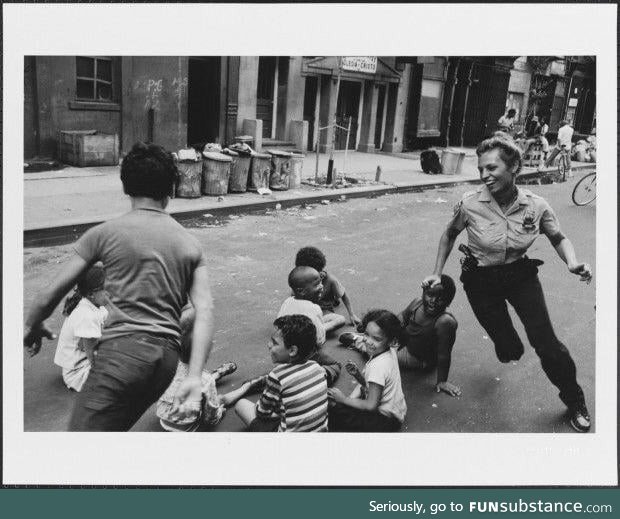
[
  {"x": 220, "y": 198},
  {"x": 207, "y": 215},
  {"x": 278, "y": 207},
  {"x": 434, "y": 405},
  {"x": 440, "y": 201},
  {"x": 325, "y": 202}
]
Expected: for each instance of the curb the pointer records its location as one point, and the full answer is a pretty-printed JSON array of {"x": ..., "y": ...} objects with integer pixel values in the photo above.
[{"x": 63, "y": 234}]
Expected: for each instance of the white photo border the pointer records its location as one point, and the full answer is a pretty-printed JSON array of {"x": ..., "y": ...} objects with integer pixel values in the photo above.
[{"x": 239, "y": 459}]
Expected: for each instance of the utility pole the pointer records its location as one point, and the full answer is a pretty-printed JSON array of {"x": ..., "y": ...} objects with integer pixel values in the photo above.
[{"x": 330, "y": 164}]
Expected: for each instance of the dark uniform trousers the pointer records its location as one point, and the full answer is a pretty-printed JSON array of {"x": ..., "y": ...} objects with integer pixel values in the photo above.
[
  {"x": 488, "y": 289},
  {"x": 129, "y": 374}
]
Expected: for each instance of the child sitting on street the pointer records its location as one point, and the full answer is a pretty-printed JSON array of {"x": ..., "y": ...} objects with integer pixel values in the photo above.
[
  {"x": 305, "y": 282},
  {"x": 378, "y": 403},
  {"x": 81, "y": 329},
  {"x": 295, "y": 395},
  {"x": 429, "y": 333},
  {"x": 210, "y": 410},
  {"x": 333, "y": 291}
]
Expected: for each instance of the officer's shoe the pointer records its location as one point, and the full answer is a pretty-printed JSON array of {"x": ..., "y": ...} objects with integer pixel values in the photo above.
[{"x": 580, "y": 418}]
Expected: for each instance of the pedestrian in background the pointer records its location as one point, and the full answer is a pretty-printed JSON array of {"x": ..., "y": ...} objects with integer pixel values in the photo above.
[
  {"x": 506, "y": 122},
  {"x": 153, "y": 265},
  {"x": 565, "y": 141},
  {"x": 502, "y": 222}
]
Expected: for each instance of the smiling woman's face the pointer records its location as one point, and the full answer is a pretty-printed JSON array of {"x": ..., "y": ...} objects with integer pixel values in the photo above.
[{"x": 495, "y": 173}]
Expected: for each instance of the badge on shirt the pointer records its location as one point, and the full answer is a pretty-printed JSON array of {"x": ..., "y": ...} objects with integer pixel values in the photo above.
[{"x": 528, "y": 219}]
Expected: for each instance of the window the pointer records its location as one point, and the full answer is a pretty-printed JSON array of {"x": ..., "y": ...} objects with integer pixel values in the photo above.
[
  {"x": 431, "y": 98},
  {"x": 430, "y": 106},
  {"x": 94, "y": 79}
]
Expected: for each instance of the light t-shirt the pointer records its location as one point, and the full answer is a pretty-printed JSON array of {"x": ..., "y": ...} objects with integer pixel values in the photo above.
[
  {"x": 565, "y": 136},
  {"x": 292, "y": 306},
  {"x": 85, "y": 322},
  {"x": 383, "y": 370}
]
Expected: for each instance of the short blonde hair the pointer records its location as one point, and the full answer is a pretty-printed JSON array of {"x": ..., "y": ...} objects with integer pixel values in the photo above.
[{"x": 509, "y": 152}]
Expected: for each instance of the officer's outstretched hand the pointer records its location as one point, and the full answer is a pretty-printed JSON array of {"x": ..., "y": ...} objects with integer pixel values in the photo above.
[
  {"x": 583, "y": 270},
  {"x": 34, "y": 335},
  {"x": 431, "y": 281}
]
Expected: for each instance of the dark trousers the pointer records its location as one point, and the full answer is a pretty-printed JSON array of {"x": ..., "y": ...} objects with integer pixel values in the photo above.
[
  {"x": 488, "y": 301},
  {"x": 129, "y": 374},
  {"x": 346, "y": 419}
]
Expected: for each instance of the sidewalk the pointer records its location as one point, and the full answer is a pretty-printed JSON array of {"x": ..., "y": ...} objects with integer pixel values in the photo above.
[{"x": 72, "y": 199}]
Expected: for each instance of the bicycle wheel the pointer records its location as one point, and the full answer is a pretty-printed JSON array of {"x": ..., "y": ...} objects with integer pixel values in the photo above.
[
  {"x": 585, "y": 190},
  {"x": 562, "y": 169}
]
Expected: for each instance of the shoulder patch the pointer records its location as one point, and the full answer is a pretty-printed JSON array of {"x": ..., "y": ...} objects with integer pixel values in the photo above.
[{"x": 457, "y": 207}]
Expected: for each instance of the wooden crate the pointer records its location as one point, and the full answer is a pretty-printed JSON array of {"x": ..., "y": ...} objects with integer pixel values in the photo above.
[{"x": 88, "y": 148}]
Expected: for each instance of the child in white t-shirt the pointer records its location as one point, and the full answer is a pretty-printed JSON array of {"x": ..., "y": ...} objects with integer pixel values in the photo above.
[
  {"x": 81, "y": 329},
  {"x": 377, "y": 404}
]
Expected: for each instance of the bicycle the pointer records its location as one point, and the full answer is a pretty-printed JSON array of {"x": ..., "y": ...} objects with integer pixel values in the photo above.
[
  {"x": 563, "y": 164},
  {"x": 585, "y": 190}
]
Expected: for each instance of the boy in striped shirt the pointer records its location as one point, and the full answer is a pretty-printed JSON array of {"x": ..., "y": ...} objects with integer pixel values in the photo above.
[{"x": 295, "y": 394}]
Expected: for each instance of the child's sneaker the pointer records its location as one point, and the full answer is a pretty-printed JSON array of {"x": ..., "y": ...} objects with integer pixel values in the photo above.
[{"x": 350, "y": 340}]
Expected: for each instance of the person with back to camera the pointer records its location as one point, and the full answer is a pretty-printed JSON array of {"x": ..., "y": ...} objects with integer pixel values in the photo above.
[
  {"x": 152, "y": 266},
  {"x": 502, "y": 222},
  {"x": 333, "y": 291},
  {"x": 295, "y": 394},
  {"x": 565, "y": 141},
  {"x": 377, "y": 404},
  {"x": 307, "y": 286}
]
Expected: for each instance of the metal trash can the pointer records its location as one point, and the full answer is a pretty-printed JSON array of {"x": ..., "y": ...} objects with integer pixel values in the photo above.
[
  {"x": 245, "y": 139},
  {"x": 239, "y": 169},
  {"x": 452, "y": 161},
  {"x": 189, "y": 182},
  {"x": 280, "y": 170},
  {"x": 215, "y": 173},
  {"x": 297, "y": 166},
  {"x": 260, "y": 170}
]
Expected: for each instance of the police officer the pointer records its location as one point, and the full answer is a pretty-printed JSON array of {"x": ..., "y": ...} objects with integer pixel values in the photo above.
[{"x": 502, "y": 222}]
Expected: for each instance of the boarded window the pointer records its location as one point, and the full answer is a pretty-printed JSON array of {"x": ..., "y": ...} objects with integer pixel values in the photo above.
[
  {"x": 94, "y": 78},
  {"x": 431, "y": 97}
]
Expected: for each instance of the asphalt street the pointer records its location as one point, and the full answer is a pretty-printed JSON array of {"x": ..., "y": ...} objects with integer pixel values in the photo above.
[{"x": 380, "y": 249}]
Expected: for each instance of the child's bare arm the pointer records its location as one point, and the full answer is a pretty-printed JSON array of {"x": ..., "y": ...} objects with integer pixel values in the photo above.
[
  {"x": 446, "y": 336},
  {"x": 371, "y": 403},
  {"x": 347, "y": 304},
  {"x": 89, "y": 346}
]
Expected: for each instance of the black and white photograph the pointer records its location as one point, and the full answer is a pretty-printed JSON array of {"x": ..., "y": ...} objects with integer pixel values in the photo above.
[{"x": 404, "y": 250}]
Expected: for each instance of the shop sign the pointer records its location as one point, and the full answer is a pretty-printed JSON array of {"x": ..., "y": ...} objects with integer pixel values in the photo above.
[
  {"x": 572, "y": 102},
  {"x": 366, "y": 64}
]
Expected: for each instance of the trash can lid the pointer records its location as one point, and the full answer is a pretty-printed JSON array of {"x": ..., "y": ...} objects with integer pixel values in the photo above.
[
  {"x": 261, "y": 155},
  {"x": 279, "y": 153},
  {"x": 244, "y": 138},
  {"x": 214, "y": 155},
  {"x": 230, "y": 152},
  {"x": 297, "y": 154}
]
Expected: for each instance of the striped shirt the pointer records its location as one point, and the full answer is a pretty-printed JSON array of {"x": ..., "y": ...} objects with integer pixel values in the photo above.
[{"x": 297, "y": 393}]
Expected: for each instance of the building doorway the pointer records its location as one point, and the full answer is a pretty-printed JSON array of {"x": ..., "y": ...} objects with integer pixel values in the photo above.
[
  {"x": 265, "y": 92},
  {"x": 310, "y": 106},
  {"x": 380, "y": 124},
  {"x": 348, "y": 107},
  {"x": 203, "y": 100}
]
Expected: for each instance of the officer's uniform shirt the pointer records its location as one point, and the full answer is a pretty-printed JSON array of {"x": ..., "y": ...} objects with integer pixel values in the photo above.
[{"x": 497, "y": 238}]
